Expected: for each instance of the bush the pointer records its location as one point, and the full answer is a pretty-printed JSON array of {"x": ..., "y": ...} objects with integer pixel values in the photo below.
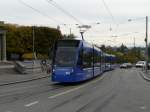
[
  {"x": 28, "y": 56},
  {"x": 42, "y": 56}
]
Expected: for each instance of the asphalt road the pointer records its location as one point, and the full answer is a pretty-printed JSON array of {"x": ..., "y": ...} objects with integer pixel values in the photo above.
[{"x": 121, "y": 90}]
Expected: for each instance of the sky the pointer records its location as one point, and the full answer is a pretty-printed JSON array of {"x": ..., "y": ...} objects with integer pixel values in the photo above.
[{"x": 114, "y": 28}]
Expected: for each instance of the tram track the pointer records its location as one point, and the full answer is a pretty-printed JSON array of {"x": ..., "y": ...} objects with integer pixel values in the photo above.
[{"x": 27, "y": 91}]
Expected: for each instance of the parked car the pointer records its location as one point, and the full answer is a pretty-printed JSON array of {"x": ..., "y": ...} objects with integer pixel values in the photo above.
[
  {"x": 126, "y": 65},
  {"x": 140, "y": 64}
]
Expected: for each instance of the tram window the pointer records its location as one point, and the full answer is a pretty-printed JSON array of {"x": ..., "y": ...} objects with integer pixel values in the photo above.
[
  {"x": 96, "y": 59},
  {"x": 87, "y": 59},
  {"x": 103, "y": 59},
  {"x": 80, "y": 58},
  {"x": 65, "y": 56},
  {"x": 107, "y": 59}
]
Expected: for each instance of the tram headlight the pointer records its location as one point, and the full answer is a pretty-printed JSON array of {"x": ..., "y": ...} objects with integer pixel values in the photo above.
[
  {"x": 68, "y": 73},
  {"x": 53, "y": 70},
  {"x": 72, "y": 70}
]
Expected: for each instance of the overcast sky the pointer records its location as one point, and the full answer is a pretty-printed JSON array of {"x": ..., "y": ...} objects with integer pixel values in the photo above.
[{"x": 84, "y": 12}]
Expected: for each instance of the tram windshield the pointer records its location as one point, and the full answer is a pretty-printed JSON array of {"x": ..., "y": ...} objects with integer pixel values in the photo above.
[{"x": 65, "y": 56}]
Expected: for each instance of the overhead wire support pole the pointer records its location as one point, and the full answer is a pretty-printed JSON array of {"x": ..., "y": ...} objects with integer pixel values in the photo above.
[
  {"x": 33, "y": 42},
  {"x": 146, "y": 42},
  {"x": 70, "y": 31},
  {"x": 134, "y": 42},
  {"x": 33, "y": 48}
]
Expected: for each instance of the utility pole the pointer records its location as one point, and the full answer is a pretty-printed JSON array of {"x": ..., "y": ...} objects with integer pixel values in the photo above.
[
  {"x": 33, "y": 42},
  {"x": 134, "y": 42},
  {"x": 134, "y": 49},
  {"x": 70, "y": 31},
  {"x": 33, "y": 54},
  {"x": 146, "y": 42}
]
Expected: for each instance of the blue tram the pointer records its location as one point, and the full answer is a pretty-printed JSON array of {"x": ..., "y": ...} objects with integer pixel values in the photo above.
[{"x": 77, "y": 60}]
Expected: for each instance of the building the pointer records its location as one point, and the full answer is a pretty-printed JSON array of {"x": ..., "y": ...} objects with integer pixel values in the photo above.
[{"x": 3, "y": 45}]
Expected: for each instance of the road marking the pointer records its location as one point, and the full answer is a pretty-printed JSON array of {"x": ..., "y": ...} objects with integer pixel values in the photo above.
[
  {"x": 31, "y": 104},
  {"x": 71, "y": 90},
  {"x": 18, "y": 89},
  {"x": 144, "y": 76},
  {"x": 74, "y": 89},
  {"x": 95, "y": 87},
  {"x": 143, "y": 107}
]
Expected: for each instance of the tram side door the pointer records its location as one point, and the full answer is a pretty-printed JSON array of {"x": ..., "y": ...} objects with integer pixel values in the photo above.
[{"x": 88, "y": 62}]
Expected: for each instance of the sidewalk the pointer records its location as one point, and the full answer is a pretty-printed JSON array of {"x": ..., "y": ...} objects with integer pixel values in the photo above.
[
  {"x": 6, "y": 65},
  {"x": 8, "y": 76},
  {"x": 146, "y": 75}
]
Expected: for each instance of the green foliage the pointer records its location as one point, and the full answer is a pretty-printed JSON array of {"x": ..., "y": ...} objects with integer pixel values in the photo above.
[
  {"x": 28, "y": 56},
  {"x": 122, "y": 49},
  {"x": 70, "y": 36},
  {"x": 103, "y": 48},
  {"x": 42, "y": 56},
  {"x": 20, "y": 38},
  {"x": 45, "y": 38},
  {"x": 124, "y": 54}
]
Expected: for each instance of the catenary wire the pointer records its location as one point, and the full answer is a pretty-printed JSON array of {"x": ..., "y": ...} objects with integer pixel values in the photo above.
[
  {"x": 56, "y": 5},
  {"x": 38, "y": 11}
]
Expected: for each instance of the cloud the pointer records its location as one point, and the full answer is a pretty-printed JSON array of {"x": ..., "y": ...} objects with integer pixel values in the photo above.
[{"x": 87, "y": 11}]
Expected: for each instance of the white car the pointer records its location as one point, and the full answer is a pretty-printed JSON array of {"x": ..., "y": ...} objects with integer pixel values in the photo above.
[
  {"x": 126, "y": 65},
  {"x": 140, "y": 64}
]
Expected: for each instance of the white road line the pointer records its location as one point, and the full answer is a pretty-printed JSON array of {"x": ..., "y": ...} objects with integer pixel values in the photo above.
[
  {"x": 144, "y": 76},
  {"x": 31, "y": 104},
  {"x": 143, "y": 108},
  {"x": 19, "y": 89},
  {"x": 71, "y": 90},
  {"x": 95, "y": 87}
]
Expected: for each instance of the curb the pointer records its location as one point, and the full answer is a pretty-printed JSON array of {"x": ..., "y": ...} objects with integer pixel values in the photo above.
[
  {"x": 5, "y": 67},
  {"x": 22, "y": 81},
  {"x": 144, "y": 76}
]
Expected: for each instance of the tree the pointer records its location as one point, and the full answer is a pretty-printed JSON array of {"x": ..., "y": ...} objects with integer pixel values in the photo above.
[
  {"x": 70, "y": 36},
  {"x": 20, "y": 39},
  {"x": 103, "y": 48},
  {"x": 124, "y": 54},
  {"x": 123, "y": 48}
]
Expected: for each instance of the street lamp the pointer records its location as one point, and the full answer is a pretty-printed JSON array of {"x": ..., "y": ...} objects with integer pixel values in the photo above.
[{"x": 146, "y": 40}]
